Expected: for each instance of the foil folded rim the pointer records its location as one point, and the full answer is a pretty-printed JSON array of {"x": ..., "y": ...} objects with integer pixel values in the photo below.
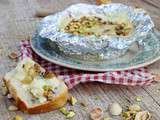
[{"x": 105, "y": 47}]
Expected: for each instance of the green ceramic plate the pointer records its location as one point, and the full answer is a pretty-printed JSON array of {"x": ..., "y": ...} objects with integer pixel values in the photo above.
[{"x": 134, "y": 58}]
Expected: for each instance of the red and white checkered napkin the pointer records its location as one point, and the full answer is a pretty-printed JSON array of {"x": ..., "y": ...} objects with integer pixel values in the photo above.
[{"x": 73, "y": 77}]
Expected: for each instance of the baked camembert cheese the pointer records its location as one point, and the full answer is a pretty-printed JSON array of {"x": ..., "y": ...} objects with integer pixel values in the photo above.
[
  {"x": 34, "y": 89},
  {"x": 97, "y": 26}
]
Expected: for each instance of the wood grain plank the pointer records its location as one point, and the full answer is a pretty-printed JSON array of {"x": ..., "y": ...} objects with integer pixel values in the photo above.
[{"x": 17, "y": 22}]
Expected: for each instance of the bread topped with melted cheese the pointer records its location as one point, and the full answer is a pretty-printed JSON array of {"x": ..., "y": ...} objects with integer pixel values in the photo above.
[{"x": 34, "y": 89}]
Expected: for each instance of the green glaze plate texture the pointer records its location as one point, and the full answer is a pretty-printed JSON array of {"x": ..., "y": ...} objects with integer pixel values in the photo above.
[{"x": 139, "y": 55}]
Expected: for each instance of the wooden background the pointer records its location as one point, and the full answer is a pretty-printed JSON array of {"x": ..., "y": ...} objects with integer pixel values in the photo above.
[{"x": 17, "y": 22}]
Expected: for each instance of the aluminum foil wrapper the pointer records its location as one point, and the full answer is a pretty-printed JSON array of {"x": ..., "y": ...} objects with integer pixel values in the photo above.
[{"x": 92, "y": 47}]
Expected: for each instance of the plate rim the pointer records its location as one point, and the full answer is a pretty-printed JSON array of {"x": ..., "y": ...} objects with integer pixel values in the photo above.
[{"x": 91, "y": 69}]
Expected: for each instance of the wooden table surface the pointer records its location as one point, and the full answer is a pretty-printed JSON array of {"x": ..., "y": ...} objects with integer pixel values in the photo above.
[{"x": 17, "y": 22}]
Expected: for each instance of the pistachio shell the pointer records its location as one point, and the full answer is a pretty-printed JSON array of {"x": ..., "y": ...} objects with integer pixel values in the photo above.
[
  {"x": 138, "y": 98},
  {"x": 115, "y": 109},
  {"x": 43, "y": 13},
  {"x": 12, "y": 108},
  {"x": 9, "y": 96},
  {"x": 96, "y": 114},
  {"x": 134, "y": 107},
  {"x": 13, "y": 55},
  {"x": 144, "y": 115},
  {"x": 84, "y": 103}
]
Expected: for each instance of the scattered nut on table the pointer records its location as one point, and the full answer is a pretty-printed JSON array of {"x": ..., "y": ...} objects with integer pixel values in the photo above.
[
  {"x": 96, "y": 114},
  {"x": 13, "y": 55},
  {"x": 106, "y": 118},
  {"x": 1, "y": 50},
  {"x": 138, "y": 98},
  {"x": 134, "y": 113},
  {"x": 144, "y": 115},
  {"x": 70, "y": 114},
  {"x": 134, "y": 107},
  {"x": 18, "y": 117},
  {"x": 72, "y": 100},
  {"x": 103, "y": 1},
  {"x": 64, "y": 111},
  {"x": 12, "y": 108},
  {"x": 43, "y": 12},
  {"x": 4, "y": 90},
  {"x": 115, "y": 109},
  {"x": 9, "y": 96},
  {"x": 84, "y": 103}
]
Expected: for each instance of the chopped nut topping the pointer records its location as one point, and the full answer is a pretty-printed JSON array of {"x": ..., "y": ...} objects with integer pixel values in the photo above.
[
  {"x": 31, "y": 72},
  {"x": 48, "y": 75},
  {"x": 37, "y": 69},
  {"x": 35, "y": 92},
  {"x": 26, "y": 67},
  {"x": 50, "y": 95},
  {"x": 34, "y": 71},
  {"x": 27, "y": 80},
  {"x": 97, "y": 26},
  {"x": 48, "y": 92},
  {"x": 47, "y": 87}
]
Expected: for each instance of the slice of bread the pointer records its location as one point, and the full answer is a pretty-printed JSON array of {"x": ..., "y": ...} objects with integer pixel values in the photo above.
[{"x": 34, "y": 89}]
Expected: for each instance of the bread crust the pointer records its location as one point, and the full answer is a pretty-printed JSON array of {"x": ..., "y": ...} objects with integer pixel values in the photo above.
[{"x": 57, "y": 102}]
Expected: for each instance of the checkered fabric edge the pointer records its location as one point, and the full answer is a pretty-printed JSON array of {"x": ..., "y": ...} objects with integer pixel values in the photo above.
[{"x": 136, "y": 77}]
